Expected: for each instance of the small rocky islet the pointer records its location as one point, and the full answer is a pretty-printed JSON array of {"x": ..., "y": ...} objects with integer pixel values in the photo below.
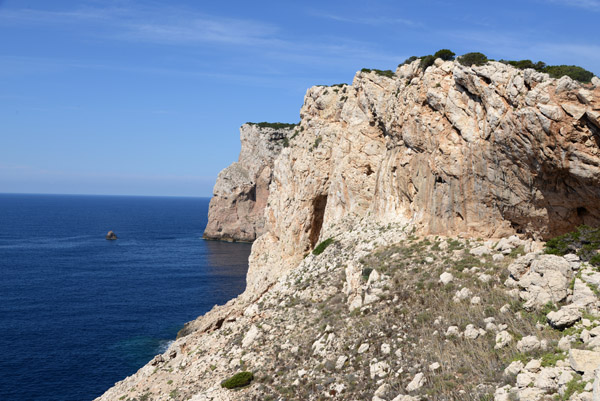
[{"x": 427, "y": 233}]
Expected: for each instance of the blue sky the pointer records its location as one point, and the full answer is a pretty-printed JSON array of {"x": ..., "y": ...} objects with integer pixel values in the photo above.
[{"x": 146, "y": 97}]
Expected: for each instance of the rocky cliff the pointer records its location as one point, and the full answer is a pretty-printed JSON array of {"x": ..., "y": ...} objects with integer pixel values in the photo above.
[
  {"x": 236, "y": 211},
  {"x": 399, "y": 170}
]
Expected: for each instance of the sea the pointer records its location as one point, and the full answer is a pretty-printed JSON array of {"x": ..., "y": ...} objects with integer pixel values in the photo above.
[{"x": 78, "y": 312}]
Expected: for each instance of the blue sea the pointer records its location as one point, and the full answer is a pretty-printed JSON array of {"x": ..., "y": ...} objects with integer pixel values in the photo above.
[{"x": 79, "y": 313}]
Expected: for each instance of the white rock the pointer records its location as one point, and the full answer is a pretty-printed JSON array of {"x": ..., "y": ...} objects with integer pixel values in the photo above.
[
  {"x": 302, "y": 373},
  {"x": 596, "y": 81},
  {"x": 385, "y": 349},
  {"x": 417, "y": 382},
  {"x": 434, "y": 366},
  {"x": 475, "y": 301},
  {"x": 503, "y": 338},
  {"x": 251, "y": 310},
  {"x": 564, "y": 317},
  {"x": 382, "y": 390},
  {"x": 533, "y": 366},
  {"x": 471, "y": 332},
  {"x": 480, "y": 251},
  {"x": 514, "y": 368},
  {"x": 524, "y": 378},
  {"x": 564, "y": 344},
  {"x": 446, "y": 278},
  {"x": 505, "y": 308},
  {"x": 250, "y": 336},
  {"x": 584, "y": 361},
  {"x": 528, "y": 344},
  {"x": 461, "y": 294},
  {"x": 379, "y": 369},
  {"x": 453, "y": 331},
  {"x": 497, "y": 257},
  {"x": 403, "y": 397},
  {"x": 485, "y": 278},
  {"x": 340, "y": 362},
  {"x": 363, "y": 348}
]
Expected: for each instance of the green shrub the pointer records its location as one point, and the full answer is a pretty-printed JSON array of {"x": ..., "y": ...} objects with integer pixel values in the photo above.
[
  {"x": 475, "y": 58},
  {"x": 575, "y": 72},
  {"x": 444, "y": 54},
  {"x": 241, "y": 379},
  {"x": 366, "y": 272},
  {"x": 322, "y": 246},
  {"x": 523, "y": 64},
  {"x": 426, "y": 61},
  {"x": 383, "y": 73},
  {"x": 408, "y": 60},
  {"x": 265, "y": 124},
  {"x": 585, "y": 241}
]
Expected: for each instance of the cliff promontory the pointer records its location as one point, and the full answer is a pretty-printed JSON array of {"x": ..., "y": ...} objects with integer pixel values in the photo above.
[
  {"x": 236, "y": 211},
  {"x": 403, "y": 254}
]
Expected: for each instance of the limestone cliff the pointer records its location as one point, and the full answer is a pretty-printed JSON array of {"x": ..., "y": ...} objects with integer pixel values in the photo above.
[
  {"x": 236, "y": 211},
  {"x": 392, "y": 310},
  {"x": 483, "y": 151}
]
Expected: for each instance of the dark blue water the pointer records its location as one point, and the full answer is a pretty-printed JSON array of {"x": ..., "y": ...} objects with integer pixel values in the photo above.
[{"x": 78, "y": 312}]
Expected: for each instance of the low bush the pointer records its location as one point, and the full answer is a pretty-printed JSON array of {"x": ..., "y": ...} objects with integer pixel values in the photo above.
[
  {"x": 474, "y": 58},
  {"x": 383, "y": 73},
  {"x": 322, "y": 246},
  {"x": 584, "y": 241},
  {"x": 575, "y": 72},
  {"x": 238, "y": 380},
  {"x": 265, "y": 124},
  {"x": 444, "y": 54}
]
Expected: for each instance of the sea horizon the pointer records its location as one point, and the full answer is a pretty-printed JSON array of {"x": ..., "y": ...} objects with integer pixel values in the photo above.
[{"x": 79, "y": 313}]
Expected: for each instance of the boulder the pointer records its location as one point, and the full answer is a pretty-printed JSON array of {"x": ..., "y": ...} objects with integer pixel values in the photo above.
[
  {"x": 416, "y": 383},
  {"x": 584, "y": 361},
  {"x": 111, "y": 236},
  {"x": 564, "y": 317},
  {"x": 542, "y": 278}
]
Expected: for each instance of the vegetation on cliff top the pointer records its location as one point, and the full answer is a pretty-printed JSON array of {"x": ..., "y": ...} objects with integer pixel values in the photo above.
[
  {"x": 475, "y": 58},
  {"x": 265, "y": 124}
]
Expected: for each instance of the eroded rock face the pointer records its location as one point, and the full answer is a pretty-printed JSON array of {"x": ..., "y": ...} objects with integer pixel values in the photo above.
[
  {"x": 484, "y": 151},
  {"x": 236, "y": 211}
]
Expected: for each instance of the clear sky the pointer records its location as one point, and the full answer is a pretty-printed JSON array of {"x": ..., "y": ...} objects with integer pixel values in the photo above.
[{"x": 145, "y": 97}]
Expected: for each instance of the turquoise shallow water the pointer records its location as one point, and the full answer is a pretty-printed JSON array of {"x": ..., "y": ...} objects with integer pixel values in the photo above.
[{"x": 78, "y": 312}]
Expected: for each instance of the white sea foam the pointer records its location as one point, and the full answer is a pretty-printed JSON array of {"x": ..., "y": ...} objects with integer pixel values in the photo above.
[{"x": 163, "y": 345}]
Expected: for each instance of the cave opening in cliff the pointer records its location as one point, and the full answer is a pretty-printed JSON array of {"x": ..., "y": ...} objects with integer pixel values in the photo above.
[{"x": 318, "y": 206}]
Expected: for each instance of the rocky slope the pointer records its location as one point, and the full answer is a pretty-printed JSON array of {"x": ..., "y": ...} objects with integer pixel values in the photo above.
[
  {"x": 236, "y": 211},
  {"x": 392, "y": 310}
]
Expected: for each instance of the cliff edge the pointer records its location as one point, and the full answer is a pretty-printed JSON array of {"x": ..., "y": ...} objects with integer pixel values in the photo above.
[{"x": 236, "y": 211}]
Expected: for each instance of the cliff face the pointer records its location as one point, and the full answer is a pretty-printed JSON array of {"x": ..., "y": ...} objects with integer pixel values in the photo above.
[
  {"x": 392, "y": 310},
  {"x": 483, "y": 152},
  {"x": 236, "y": 211}
]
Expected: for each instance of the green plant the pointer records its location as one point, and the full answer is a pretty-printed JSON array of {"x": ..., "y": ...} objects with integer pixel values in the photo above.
[
  {"x": 265, "y": 124},
  {"x": 474, "y": 58},
  {"x": 383, "y": 73},
  {"x": 585, "y": 241},
  {"x": 572, "y": 71},
  {"x": 322, "y": 246},
  {"x": 366, "y": 272},
  {"x": 445, "y": 54},
  {"x": 241, "y": 379},
  {"x": 408, "y": 60},
  {"x": 173, "y": 393},
  {"x": 426, "y": 61}
]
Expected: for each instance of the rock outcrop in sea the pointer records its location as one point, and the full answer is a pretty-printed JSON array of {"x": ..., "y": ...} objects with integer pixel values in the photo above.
[
  {"x": 236, "y": 211},
  {"x": 403, "y": 253}
]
